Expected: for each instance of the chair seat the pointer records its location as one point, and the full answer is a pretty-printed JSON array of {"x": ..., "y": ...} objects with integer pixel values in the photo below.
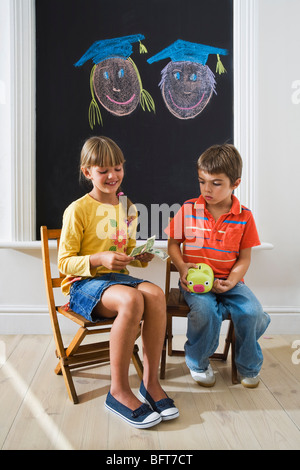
[
  {"x": 80, "y": 320},
  {"x": 176, "y": 302}
]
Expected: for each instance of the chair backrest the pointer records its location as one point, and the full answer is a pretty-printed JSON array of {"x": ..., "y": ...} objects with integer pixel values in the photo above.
[
  {"x": 46, "y": 236},
  {"x": 51, "y": 282},
  {"x": 170, "y": 267}
]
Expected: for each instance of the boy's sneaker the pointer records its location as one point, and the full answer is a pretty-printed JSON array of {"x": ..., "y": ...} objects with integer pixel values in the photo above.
[
  {"x": 206, "y": 378},
  {"x": 250, "y": 382}
]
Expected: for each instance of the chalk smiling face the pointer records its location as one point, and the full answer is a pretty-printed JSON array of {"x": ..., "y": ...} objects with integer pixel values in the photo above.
[
  {"x": 186, "y": 88},
  {"x": 117, "y": 86}
]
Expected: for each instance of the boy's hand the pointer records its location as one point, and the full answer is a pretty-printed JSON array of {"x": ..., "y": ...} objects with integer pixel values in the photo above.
[
  {"x": 222, "y": 285},
  {"x": 183, "y": 272}
]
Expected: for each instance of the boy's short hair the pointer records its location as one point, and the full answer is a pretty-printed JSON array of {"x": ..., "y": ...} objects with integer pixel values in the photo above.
[{"x": 222, "y": 159}]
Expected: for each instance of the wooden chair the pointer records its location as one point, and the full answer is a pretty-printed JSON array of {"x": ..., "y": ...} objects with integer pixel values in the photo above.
[
  {"x": 76, "y": 354},
  {"x": 177, "y": 307}
]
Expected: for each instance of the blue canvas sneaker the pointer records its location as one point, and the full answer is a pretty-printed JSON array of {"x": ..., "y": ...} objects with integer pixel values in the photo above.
[
  {"x": 143, "y": 417},
  {"x": 164, "y": 407}
]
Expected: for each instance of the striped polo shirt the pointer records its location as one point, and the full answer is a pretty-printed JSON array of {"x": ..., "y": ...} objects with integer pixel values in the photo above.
[{"x": 216, "y": 243}]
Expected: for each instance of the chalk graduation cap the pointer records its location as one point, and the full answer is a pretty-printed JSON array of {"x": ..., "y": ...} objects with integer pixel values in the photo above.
[
  {"x": 112, "y": 48},
  {"x": 187, "y": 83},
  {"x": 115, "y": 77},
  {"x": 190, "y": 51}
]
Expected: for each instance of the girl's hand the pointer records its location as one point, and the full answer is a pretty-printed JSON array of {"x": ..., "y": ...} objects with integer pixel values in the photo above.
[
  {"x": 183, "y": 272},
  {"x": 144, "y": 257},
  {"x": 112, "y": 260}
]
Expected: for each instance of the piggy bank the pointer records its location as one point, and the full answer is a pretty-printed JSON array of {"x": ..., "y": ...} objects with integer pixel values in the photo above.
[{"x": 200, "y": 280}]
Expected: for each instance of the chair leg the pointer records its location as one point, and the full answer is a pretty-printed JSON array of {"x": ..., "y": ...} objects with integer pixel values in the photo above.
[
  {"x": 163, "y": 359},
  {"x": 234, "y": 378},
  {"x": 229, "y": 341},
  {"x": 69, "y": 384},
  {"x": 169, "y": 334},
  {"x": 137, "y": 363},
  {"x": 73, "y": 346}
]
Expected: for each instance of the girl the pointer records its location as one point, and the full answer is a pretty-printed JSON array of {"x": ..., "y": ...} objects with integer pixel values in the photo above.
[{"x": 97, "y": 237}]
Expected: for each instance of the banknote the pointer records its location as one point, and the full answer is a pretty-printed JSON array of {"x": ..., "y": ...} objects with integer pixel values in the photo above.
[
  {"x": 138, "y": 250},
  {"x": 159, "y": 253},
  {"x": 148, "y": 248}
]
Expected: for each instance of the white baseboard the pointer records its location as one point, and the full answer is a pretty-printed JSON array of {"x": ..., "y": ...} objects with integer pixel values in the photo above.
[
  {"x": 281, "y": 324},
  {"x": 33, "y": 324},
  {"x": 36, "y": 320}
]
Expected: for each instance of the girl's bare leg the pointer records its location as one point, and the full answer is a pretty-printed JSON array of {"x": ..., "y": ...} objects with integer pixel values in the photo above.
[
  {"x": 153, "y": 335},
  {"x": 128, "y": 304}
]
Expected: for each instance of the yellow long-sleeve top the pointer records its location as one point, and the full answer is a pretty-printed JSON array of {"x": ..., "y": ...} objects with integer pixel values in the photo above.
[{"x": 90, "y": 227}]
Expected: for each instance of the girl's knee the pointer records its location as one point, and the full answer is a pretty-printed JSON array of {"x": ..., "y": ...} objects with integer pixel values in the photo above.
[
  {"x": 132, "y": 304},
  {"x": 159, "y": 296},
  {"x": 155, "y": 305},
  {"x": 153, "y": 296}
]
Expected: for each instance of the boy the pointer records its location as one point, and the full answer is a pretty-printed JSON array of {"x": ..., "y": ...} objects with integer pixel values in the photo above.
[{"x": 215, "y": 229}]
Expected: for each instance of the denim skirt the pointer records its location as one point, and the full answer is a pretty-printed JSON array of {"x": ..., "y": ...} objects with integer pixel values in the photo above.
[{"x": 85, "y": 294}]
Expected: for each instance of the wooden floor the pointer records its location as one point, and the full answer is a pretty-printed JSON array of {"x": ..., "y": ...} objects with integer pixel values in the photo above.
[{"x": 35, "y": 412}]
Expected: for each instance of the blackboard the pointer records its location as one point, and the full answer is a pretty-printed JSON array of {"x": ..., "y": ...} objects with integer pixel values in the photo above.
[{"x": 161, "y": 150}]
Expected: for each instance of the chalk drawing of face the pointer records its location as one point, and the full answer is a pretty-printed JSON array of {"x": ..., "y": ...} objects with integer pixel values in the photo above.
[
  {"x": 187, "y": 83},
  {"x": 115, "y": 79},
  {"x": 186, "y": 88},
  {"x": 117, "y": 86}
]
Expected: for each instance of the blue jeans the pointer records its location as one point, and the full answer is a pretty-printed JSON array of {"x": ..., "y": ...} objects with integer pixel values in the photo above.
[{"x": 207, "y": 311}]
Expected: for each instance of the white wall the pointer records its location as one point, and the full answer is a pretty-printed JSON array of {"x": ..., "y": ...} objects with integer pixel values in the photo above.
[
  {"x": 274, "y": 274},
  {"x": 5, "y": 120}
]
